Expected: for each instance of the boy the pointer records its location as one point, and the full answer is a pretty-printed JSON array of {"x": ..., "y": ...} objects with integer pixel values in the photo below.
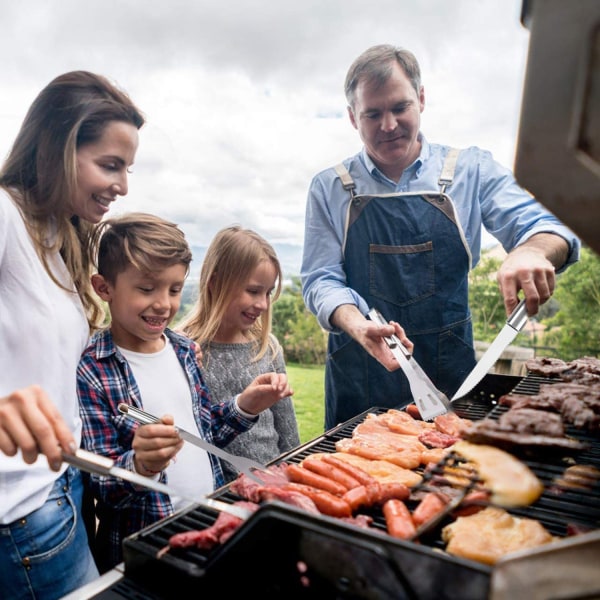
[{"x": 142, "y": 265}]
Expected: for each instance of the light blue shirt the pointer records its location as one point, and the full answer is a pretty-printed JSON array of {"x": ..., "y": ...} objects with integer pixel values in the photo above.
[{"x": 484, "y": 193}]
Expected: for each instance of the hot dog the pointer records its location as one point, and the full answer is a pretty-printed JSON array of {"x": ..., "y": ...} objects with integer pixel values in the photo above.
[
  {"x": 357, "y": 473},
  {"x": 398, "y": 520},
  {"x": 330, "y": 471},
  {"x": 357, "y": 497},
  {"x": 472, "y": 503},
  {"x": 413, "y": 411},
  {"x": 327, "y": 503},
  {"x": 390, "y": 490},
  {"x": 377, "y": 493},
  {"x": 298, "y": 474},
  {"x": 428, "y": 508}
]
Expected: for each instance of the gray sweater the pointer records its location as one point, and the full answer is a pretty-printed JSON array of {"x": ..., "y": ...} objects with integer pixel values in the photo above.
[{"x": 228, "y": 369}]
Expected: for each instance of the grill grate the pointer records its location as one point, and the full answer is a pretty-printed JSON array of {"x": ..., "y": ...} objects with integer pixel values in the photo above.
[{"x": 284, "y": 535}]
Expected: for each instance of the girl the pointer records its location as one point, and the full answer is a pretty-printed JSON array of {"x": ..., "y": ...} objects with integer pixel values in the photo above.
[{"x": 231, "y": 321}]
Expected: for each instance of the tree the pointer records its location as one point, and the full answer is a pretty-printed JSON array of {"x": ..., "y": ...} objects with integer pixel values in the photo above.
[
  {"x": 297, "y": 329},
  {"x": 485, "y": 300},
  {"x": 575, "y": 329}
]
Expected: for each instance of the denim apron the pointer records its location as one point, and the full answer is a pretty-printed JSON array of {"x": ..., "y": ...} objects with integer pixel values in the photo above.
[{"x": 406, "y": 255}]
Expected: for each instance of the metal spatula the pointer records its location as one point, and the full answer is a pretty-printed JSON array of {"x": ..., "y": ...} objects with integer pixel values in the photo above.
[
  {"x": 249, "y": 467},
  {"x": 430, "y": 401}
]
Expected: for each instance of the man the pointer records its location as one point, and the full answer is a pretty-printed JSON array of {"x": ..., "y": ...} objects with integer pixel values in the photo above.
[{"x": 398, "y": 227}]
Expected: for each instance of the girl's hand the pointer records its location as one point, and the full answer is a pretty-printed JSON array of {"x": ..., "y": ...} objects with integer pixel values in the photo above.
[{"x": 263, "y": 392}]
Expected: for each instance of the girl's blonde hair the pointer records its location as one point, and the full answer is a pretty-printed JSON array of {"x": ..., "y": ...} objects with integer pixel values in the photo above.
[{"x": 232, "y": 256}]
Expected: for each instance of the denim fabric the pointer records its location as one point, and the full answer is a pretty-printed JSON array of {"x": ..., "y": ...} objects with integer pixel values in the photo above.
[{"x": 45, "y": 555}]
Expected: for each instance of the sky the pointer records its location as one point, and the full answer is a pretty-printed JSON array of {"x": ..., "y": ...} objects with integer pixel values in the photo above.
[{"x": 244, "y": 98}]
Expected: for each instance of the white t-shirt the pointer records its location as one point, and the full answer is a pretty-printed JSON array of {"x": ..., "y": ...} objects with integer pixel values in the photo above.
[
  {"x": 164, "y": 389},
  {"x": 43, "y": 331}
]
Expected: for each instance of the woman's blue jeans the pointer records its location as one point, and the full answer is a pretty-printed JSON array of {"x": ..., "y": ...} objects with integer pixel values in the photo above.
[{"x": 46, "y": 555}]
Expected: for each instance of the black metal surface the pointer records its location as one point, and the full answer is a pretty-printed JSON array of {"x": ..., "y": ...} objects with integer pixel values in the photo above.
[{"x": 339, "y": 560}]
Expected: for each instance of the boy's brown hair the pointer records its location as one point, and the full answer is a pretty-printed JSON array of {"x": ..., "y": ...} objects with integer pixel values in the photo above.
[{"x": 145, "y": 241}]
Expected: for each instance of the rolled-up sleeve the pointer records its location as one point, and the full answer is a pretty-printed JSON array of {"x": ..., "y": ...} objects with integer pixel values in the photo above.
[{"x": 324, "y": 285}]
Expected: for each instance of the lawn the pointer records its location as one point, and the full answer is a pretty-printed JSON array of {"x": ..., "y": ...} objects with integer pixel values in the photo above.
[{"x": 309, "y": 402}]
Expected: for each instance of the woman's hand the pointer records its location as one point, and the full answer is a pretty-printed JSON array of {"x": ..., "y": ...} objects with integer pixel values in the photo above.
[{"x": 30, "y": 422}]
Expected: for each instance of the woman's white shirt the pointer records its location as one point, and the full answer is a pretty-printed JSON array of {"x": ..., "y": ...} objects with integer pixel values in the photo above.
[{"x": 43, "y": 330}]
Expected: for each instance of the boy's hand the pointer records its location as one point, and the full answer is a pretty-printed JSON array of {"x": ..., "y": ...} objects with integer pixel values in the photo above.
[
  {"x": 263, "y": 392},
  {"x": 155, "y": 446}
]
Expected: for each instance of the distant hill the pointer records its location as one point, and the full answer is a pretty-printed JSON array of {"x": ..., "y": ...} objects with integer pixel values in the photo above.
[{"x": 290, "y": 256}]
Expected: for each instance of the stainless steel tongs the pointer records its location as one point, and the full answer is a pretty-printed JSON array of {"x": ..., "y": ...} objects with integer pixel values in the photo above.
[
  {"x": 241, "y": 463},
  {"x": 430, "y": 401},
  {"x": 102, "y": 465}
]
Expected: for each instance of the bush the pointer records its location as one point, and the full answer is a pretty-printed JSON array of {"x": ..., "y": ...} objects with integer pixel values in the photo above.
[{"x": 297, "y": 329}]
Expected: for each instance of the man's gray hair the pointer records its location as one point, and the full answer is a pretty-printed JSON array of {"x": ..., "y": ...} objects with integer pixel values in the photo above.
[{"x": 374, "y": 66}]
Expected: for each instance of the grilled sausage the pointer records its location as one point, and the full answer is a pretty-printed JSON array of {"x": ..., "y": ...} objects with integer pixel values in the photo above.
[
  {"x": 332, "y": 472},
  {"x": 327, "y": 503},
  {"x": 298, "y": 474},
  {"x": 357, "y": 497},
  {"x": 398, "y": 519},
  {"x": 357, "y": 473},
  {"x": 428, "y": 508},
  {"x": 413, "y": 411},
  {"x": 375, "y": 494},
  {"x": 392, "y": 490}
]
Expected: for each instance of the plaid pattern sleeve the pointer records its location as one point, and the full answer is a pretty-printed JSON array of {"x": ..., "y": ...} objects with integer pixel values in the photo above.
[{"x": 103, "y": 381}]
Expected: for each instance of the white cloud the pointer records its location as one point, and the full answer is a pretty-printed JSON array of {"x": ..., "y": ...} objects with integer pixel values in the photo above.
[{"x": 244, "y": 98}]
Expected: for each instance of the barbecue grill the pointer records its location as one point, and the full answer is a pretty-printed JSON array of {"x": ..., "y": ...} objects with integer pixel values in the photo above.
[{"x": 282, "y": 551}]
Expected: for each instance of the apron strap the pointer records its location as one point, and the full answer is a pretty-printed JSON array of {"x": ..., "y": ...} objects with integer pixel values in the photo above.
[
  {"x": 444, "y": 181},
  {"x": 345, "y": 178},
  {"x": 447, "y": 174}
]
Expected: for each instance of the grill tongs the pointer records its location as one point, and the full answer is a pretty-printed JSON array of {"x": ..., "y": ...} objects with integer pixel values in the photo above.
[
  {"x": 430, "y": 401},
  {"x": 241, "y": 463},
  {"x": 102, "y": 465}
]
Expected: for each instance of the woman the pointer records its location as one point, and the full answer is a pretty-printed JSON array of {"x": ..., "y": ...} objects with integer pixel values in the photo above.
[{"x": 67, "y": 165}]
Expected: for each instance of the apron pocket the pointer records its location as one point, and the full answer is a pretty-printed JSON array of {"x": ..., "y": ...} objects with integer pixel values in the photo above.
[{"x": 401, "y": 275}]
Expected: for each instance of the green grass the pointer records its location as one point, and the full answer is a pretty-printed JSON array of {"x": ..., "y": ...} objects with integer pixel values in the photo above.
[{"x": 309, "y": 398}]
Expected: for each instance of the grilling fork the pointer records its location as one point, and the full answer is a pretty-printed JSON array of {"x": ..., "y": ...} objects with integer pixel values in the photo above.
[
  {"x": 430, "y": 401},
  {"x": 241, "y": 463}
]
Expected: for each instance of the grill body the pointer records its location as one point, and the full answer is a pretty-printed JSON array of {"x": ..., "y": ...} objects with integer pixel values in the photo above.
[{"x": 281, "y": 550}]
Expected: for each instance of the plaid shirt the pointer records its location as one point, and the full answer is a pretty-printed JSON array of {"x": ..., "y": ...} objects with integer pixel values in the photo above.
[{"x": 104, "y": 380}]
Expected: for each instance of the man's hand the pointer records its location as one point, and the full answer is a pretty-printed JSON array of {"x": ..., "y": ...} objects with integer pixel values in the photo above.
[
  {"x": 531, "y": 267},
  {"x": 370, "y": 335},
  {"x": 263, "y": 392},
  {"x": 30, "y": 421}
]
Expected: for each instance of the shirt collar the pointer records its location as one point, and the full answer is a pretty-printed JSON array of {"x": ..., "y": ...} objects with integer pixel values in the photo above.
[{"x": 415, "y": 166}]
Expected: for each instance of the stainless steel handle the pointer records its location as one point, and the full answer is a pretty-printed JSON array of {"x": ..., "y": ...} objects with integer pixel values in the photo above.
[
  {"x": 518, "y": 317},
  {"x": 90, "y": 462},
  {"x": 392, "y": 341},
  {"x": 139, "y": 415}
]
